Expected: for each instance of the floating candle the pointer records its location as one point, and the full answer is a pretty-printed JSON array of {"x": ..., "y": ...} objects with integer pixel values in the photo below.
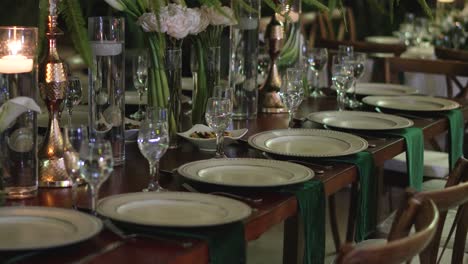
[{"x": 15, "y": 64}]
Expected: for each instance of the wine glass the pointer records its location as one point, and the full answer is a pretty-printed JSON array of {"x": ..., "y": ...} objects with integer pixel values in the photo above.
[
  {"x": 153, "y": 142},
  {"x": 292, "y": 93},
  {"x": 73, "y": 96},
  {"x": 218, "y": 117},
  {"x": 74, "y": 136},
  {"x": 140, "y": 66},
  {"x": 342, "y": 78},
  {"x": 96, "y": 165},
  {"x": 358, "y": 60},
  {"x": 345, "y": 50},
  {"x": 316, "y": 60}
]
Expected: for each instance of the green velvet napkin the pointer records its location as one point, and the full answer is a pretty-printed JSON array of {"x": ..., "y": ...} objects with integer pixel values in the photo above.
[
  {"x": 414, "y": 141},
  {"x": 456, "y": 133},
  {"x": 226, "y": 243},
  {"x": 311, "y": 199},
  {"x": 367, "y": 212}
]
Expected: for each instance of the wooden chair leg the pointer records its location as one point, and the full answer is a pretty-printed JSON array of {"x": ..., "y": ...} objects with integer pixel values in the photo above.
[
  {"x": 333, "y": 222},
  {"x": 353, "y": 209}
]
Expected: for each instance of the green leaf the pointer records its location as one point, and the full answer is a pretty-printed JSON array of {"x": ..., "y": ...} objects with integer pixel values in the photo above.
[
  {"x": 76, "y": 25},
  {"x": 426, "y": 8},
  {"x": 43, "y": 13},
  {"x": 331, "y": 5}
]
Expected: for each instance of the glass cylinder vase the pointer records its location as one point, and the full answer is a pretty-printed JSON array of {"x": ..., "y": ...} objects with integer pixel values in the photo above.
[
  {"x": 107, "y": 83},
  {"x": 174, "y": 78},
  {"x": 18, "y": 77},
  {"x": 244, "y": 60},
  {"x": 207, "y": 71}
]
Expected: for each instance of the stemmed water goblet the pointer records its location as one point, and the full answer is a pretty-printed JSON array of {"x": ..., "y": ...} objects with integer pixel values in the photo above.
[
  {"x": 140, "y": 66},
  {"x": 218, "y": 116},
  {"x": 153, "y": 142},
  {"x": 74, "y": 136},
  {"x": 73, "y": 96},
  {"x": 292, "y": 93},
  {"x": 358, "y": 60},
  {"x": 342, "y": 79},
  {"x": 96, "y": 165},
  {"x": 316, "y": 60}
]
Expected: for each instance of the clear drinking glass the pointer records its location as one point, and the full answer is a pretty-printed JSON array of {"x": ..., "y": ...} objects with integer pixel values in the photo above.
[
  {"x": 74, "y": 136},
  {"x": 74, "y": 95},
  {"x": 140, "y": 64},
  {"x": 292, "y": 93},
  {"x": 344, "y": 50},
  {"x": 358, "y": 60},
  {"x": 317, "y": 58},
  {"x": 153, "y": 142},
  {"x": 218, "y": 117},
  {"x": 342, "y": 78},
  {"x": 96, "y": 165}
]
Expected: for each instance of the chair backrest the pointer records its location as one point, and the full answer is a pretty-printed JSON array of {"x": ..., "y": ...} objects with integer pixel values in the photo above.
[
  {"x": 401, "y": 245},
  {"x": 345, "y": 31},
  {"x": 362, "y": 46},
  {"x": 455, "y": 194},
  {"x": 451, "y": 69}
]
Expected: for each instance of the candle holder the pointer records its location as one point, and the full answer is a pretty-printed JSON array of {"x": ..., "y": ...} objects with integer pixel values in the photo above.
[
  {"x": 269, "y": 99},
  {"x": 53, "y": 84},
  {"x": 18, "y": 77}
]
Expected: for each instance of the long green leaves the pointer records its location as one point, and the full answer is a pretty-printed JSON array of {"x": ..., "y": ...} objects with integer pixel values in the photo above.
[{"x": 71, "y": 11}]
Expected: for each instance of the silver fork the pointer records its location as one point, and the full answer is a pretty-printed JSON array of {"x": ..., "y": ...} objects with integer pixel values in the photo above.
[{"x": 231, "y": 195}]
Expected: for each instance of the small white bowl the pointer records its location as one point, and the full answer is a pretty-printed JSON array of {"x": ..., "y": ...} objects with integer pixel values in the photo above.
[
  {"x": 209, "y": 144},
  {"x": 131, "y": 135}
]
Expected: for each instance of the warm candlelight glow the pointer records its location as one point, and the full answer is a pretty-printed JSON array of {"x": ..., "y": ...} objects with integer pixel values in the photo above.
[{"x": 15, "y": 62}]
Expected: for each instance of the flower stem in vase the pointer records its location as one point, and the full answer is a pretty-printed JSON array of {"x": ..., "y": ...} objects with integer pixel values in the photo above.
[{"x": 199, "y": 106}]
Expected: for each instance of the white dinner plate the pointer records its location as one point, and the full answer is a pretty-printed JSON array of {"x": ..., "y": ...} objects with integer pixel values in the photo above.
[
  {"x": 411, "y": 103},
  {"x": 246, "y": 172},
  {"x": 308, "y": 142},
  {"x": 383, "y": 40},
  {"x": 360, "y": 120},
  {"x": 35, "y": 227},
  {"x": 383, "y": 89},
  {"x": 173, "y": 209}
]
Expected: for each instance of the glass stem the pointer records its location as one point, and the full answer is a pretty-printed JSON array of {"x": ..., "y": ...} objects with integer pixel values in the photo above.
[
  {"x": 290, "y": 118},
  {"x": 140, "y": 97},
  {"x": 74, "y": 195},
  {"x": 316, "y": 82},
  {"x": 94, "y": 198},
  {"x": 154, "y": 176},
  {"x": 341, "y": 101},
  {"x": 354, "y": 90},
  {"x": 70, "y": 110},
  {"x": 220, "y": 144}
]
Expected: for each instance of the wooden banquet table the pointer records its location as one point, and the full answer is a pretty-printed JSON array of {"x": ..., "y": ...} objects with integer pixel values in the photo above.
[{"x": 274, "y": 209}]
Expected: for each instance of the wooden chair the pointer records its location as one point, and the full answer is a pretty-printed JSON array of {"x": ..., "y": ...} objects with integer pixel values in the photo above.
[
  {"x": 451, "y": 69},
  {"x": 455, "y": 194},
  {"x": 401, "y": 246},
  {"x": 345, "y": 31}
]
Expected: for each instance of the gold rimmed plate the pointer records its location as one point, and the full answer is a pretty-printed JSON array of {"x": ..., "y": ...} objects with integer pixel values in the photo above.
[
  {"x": 360, "y": 120},
  {"x": 412, "y": 103},
  {"x": 314, "y": 143}
]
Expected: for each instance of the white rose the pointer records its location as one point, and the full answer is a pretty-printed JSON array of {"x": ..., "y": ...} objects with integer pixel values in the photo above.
[
  {"x": 198, "y": 22},
  {"x": 224, "y": 18},
  {"x": 178, "y": 25},
  {"x": 116, "y": 4},
  {"x": 149, "y": 23}
]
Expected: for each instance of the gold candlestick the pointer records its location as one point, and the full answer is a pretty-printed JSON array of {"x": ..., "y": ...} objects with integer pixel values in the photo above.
[
  {"x": 53, "y": 84},
  {"x": 269, "y": 99}
]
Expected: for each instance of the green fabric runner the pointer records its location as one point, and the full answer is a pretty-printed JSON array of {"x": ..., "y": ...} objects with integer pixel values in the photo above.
[
  {"x": 311, "y": 199},
  {"x": 367, "y": 212},
  {"x": 456, "y": 133},
  {"x": 226, "y": 243},
  {"x": 414, "y": 141}
]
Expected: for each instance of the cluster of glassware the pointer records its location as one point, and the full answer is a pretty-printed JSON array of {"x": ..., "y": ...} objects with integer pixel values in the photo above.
[
  {"x": 347, "y": 67},
  {"x": 415, "y": 31}
]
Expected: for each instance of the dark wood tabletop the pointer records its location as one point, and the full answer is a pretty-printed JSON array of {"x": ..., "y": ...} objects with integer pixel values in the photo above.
[{"x": 274, "y": 209}]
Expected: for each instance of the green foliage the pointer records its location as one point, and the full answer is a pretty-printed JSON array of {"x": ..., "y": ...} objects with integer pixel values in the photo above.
[{"x": 72, "y": 14}]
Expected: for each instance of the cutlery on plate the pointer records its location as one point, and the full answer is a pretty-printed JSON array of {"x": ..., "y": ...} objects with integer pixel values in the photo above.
[{"x": 230, "y": 195}]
